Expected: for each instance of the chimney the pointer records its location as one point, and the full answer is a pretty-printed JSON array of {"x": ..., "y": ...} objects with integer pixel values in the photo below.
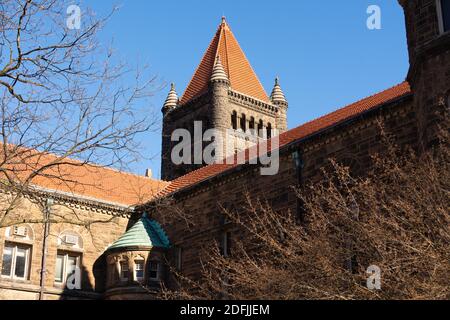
[{"x": 148, "y": 173}]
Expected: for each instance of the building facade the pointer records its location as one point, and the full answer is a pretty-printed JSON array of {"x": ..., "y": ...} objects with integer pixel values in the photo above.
[{"x": 126, "y": 256}]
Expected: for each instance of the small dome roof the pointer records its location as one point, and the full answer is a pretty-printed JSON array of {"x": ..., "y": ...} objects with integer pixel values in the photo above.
[
  {"x": 146, "y": 233},
  {"x": 277, "y": 94},
  {"x": 172, "y": 98},
  {"x": 218, "y": 72}
]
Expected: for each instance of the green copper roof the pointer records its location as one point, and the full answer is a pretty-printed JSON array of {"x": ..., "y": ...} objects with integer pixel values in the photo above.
[{"x": 145, "y": 233}]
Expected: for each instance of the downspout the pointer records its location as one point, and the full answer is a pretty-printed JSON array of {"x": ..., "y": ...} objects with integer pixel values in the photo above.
[
  {"x": 299, "y": 164},
  {"x": 48, "y": 205}
]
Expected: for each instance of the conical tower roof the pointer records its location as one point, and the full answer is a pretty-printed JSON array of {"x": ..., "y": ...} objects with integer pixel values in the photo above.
[
  {"x": 172, "y": 98},
  {"x": 239, "y": 71},
  {"x": 277, "y": 94},
  {"x": 146, "y": 233}
]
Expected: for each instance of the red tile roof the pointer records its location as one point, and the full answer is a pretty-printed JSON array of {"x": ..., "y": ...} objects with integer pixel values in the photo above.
[
  {"x": 298, "y": 133},
  {"x": 79, "y": 179},
  {"x": 240, "y": 73}
]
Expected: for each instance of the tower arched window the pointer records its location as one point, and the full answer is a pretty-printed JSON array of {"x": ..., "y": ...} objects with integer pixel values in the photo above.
[
  {"x": 260, "y": 128},
  {"x": 251, "y": 124},
  {"x": 243, "y": 122},
  {"x": 269, "y": 131},
  {"x": 234, "y": 120}
]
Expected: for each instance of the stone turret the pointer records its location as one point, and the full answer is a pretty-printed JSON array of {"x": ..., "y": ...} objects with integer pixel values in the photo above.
[
  {"x": 278, "y": 98},
  {"x": 219, "y": 86}
]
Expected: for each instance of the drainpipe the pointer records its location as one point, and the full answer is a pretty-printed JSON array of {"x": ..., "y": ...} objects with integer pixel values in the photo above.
[
  {"x": 48, "y": 205},
  {"x": 297, "y": 156}
]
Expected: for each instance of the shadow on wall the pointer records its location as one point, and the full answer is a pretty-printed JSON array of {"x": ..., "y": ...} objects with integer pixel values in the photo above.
[{"x": 87, "y": 291}]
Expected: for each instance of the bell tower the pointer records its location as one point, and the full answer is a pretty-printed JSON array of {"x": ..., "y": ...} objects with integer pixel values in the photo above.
[
  {"x": 428, "y": 35},
  {"x": 224, "y": 94}
]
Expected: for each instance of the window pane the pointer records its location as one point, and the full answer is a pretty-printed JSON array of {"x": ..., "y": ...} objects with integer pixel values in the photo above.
[
  {"x": 59, "y": 268},
  {"x": 445, "y": 4},
  {"x": 7, "y": 261},
  {"x": 20, "y": 262},
  {"x": 153, "y": 272},
  {"x": 71, "y": 265},
  {"x": 124, "y": 271},
  {"x": 139, "y": 265}
]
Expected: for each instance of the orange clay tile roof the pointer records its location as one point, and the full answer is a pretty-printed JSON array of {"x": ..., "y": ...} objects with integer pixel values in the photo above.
[
  {"x": 303, "y": 131},
  {"x": 80, "y": 179},
  {"x": 240, "y": 73}
]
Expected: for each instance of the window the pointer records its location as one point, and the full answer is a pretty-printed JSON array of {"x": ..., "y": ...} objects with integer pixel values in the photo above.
[
  {"x": 16, "y": 262},
  {"x": 178, "y": 258},
  {"x": 234, "y": 120},
  {"x": 243, "y": 122},
  {"x": 444, "y": 15},
  {"x": 124, "y": 271},
  {"x": 139, "y": 270},
  {"x": 153, "y": 273},
  {"x": 260, "y": 128},
  {"x": 269, "y": 131},
  {"x": 225, "y": 244},
  {"x": 66, "y": 268},
  {"x": 251, "y": 125}
]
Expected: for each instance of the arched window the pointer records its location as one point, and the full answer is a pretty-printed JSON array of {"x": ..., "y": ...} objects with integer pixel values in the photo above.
[
  {"x": 16, "y": 259},
  {"x": 260, "y": 128},
  {"x": 269, "y": 130},
  {"x": 68, "y": 259},
  {"x": 243, "y": 122},
  {"x": 251, "y": 125},
  {"x": 234, "y": 120}
]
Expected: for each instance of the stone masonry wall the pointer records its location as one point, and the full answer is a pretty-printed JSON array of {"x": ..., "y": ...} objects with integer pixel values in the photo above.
[
  {"x": 94, "y": 243},
  {"x": 353, "y": 144}
]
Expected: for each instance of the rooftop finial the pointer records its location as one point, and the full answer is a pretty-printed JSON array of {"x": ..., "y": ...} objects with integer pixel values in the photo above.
[
  {"x": 277, "y": 95},
  {"x": 218, "y": 73},
  {"x": 224, "y": 20},
  {"x": 172, "y": 98}
]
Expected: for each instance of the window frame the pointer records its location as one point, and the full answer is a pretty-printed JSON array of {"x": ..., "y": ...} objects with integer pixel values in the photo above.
[
  {"x": 136, "y": 263},
  {"x": 440, "y": 14},
  {"x": 12, "y": 273},
  {"x": 66, "y": 255},
  {"x": 121, "y": 277},
  {"x": 158, "y": 271}
]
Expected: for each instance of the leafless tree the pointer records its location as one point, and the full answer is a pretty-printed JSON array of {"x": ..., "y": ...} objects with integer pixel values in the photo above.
[
  {"x": 396, "y": 218},
  {"x": 65, "y": 99}
]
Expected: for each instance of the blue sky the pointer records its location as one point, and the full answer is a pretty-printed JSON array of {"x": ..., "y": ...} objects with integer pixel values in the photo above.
[{"x": 322, "y": 51}]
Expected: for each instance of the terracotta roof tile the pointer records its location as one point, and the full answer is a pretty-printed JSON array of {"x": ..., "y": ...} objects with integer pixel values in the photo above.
[
  {"x": 242, "y": 77},
  {"x": 298, "y": 133},
  {"x": 79, "y": 179}
]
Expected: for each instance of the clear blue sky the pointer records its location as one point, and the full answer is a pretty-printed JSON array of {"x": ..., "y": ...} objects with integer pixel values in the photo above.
[{"x": 322, "y": 51}]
